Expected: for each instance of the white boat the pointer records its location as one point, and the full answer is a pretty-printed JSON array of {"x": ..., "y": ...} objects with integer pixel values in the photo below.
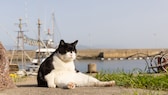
[
  {"x": 42, "y": 53},
  {"x": 35, "y": 63}
]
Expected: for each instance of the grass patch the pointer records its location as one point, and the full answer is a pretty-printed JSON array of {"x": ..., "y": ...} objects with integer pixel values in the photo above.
[{"x": 144, "y": 81}]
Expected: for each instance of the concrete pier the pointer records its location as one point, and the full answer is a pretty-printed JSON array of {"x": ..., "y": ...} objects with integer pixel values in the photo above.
[
  {"x": 119, "y": 53},
  {"x": 111, "y": 54}
]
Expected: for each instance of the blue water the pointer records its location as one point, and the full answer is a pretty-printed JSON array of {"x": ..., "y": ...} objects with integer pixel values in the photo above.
[
  {"x": 109, "y": 65},
  {"x": 112, "y": 65}
]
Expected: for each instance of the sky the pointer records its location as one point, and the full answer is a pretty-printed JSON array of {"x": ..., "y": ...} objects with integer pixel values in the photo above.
[{"x": 114, "y": 24}]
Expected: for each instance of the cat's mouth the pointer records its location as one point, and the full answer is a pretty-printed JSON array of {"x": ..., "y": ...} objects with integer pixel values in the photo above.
[{"x": 66, "y": 58}]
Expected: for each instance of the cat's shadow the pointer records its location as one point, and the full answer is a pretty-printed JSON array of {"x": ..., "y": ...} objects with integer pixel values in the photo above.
[
  {"x": 34, "y": 86},
  {"x": 27, "y": 85}
]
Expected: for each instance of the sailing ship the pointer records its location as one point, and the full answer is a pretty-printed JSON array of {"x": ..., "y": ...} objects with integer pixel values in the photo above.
[
  {"x": 40, "y": 55},
  {"x": 45, "y": 47}
]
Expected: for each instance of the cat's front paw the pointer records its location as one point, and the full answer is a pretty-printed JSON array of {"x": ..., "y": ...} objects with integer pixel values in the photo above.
[
  {"x": 51, "y": 85},
  {"x": 71, "y": 85}
]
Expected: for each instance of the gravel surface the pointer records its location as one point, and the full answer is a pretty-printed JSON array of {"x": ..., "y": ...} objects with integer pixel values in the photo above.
[{"x": 28, "y": 86}]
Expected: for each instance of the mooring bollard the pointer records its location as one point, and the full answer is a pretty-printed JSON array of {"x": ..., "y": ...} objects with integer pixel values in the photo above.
[{"x": 92, "y": 68}]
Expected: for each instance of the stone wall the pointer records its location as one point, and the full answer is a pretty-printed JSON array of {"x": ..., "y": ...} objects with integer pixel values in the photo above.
[{"x": 5, "y": 80}]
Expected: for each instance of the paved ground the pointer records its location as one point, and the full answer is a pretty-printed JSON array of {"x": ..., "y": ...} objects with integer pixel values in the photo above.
[{"x": 28, "y": 87}]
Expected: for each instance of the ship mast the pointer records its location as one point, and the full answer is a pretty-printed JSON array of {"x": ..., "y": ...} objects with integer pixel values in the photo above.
[
  {"x": 39, "y": 24},
  {"x": 53, "y": 24},
  {"x": 21, "y": 37},
  {"x": 50, "y": 40}
]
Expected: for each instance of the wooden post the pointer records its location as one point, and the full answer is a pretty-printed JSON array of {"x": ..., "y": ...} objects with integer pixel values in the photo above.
[{"x": 92, "y": 68}]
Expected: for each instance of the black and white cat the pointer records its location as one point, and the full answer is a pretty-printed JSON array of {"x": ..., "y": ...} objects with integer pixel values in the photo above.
[{"x": 58, "y": 70}]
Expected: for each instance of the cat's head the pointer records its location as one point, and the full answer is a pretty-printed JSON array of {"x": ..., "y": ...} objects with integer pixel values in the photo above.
[{"x": 67, "y": 51}]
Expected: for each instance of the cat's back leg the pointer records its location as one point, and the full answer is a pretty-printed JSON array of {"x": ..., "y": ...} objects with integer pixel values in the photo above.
[
  {"x": 86, "y": 80},
  {"x": 82, "y": 79}
]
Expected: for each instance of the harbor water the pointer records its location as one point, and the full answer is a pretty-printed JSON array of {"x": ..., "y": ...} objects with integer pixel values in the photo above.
[
  {"x": 112, "y": 65},
  {"x": 107, "y": 65}
]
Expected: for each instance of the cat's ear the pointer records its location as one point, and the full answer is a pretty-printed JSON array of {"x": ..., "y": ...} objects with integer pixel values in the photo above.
[
  {"x": 62, "y": 42},
  {"x": 74, "y": 43}
]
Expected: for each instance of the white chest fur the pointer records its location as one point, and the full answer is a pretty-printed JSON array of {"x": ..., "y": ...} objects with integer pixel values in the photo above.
[{"x": 60, "y": 65}]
